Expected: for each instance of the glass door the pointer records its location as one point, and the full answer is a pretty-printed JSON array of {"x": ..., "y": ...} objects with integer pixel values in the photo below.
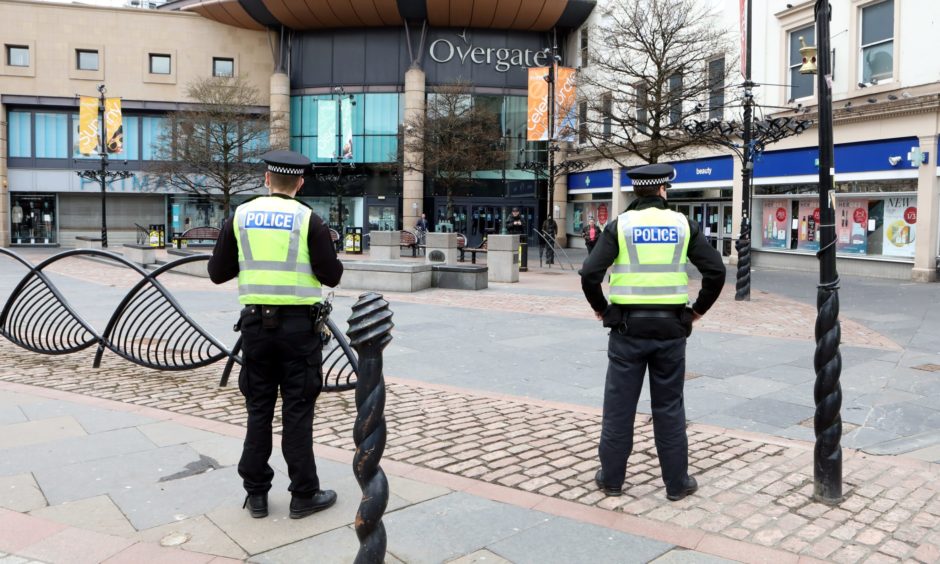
[
  {"x": 711, "y": 224},
  {"x": 727, "y": 230},
  {"x": 455, "y": 223}
]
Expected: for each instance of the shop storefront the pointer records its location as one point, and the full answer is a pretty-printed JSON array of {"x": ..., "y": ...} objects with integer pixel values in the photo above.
[
  {"x": 875, "y": 201},
  {"x": 702, "y": 191},
  {"x": 589, "y": 197},
  {"x": 34, "y": 219}
]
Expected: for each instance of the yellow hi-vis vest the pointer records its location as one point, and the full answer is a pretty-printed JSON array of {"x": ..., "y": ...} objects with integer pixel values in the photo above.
[
  {"x": 273, "y": 258},
  {"x": 650, "y": 269}
]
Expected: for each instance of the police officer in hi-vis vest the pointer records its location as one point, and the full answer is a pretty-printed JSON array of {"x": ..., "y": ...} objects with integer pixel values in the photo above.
[
  {"x": 282, "y": 254},
  {"x": 648, "y": 247}
]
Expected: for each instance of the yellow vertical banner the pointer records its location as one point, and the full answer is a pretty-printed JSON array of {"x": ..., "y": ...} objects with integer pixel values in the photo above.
[
  {"x": 537, "y": 127},
  {"x": 87, "y": 125},
  {"x": 566, "y": 122},
  {"x": 114, "y": 126}
]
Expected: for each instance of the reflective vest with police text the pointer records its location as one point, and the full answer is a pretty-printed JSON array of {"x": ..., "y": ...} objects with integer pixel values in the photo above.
[
  {"x": 650, "y": 268},
  {"x": 273, "y": 258}
]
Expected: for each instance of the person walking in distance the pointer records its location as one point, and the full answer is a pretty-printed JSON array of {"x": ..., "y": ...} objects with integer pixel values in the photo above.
[
  {"x": 649, "y": 318},
  {"x": 282, "y": 254},
  {"x": 591, "y": 232}
]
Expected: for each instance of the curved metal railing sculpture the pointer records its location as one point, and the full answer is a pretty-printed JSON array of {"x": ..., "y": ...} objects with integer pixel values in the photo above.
[{"x": 148, "y": 327}]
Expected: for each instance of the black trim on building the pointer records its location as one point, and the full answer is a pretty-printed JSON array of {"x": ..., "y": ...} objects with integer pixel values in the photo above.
[
  {"x": 259, "y": 12},
  {"x": 576, "y": 13},
  {"x": 413, "y": 9}
]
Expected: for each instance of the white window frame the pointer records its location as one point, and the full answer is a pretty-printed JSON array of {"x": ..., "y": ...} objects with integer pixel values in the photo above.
[
  {"x": 862, "y": 46},
  {"x": 791, "y": 35}
]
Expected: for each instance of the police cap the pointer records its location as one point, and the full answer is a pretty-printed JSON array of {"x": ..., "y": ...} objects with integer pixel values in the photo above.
[
  {"x": 652, "y": 175},
  {"x": 286, "y": 162}
]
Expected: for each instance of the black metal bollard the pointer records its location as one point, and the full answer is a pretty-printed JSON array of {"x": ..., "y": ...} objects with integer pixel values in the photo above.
[{"x": 369, "y": 331}]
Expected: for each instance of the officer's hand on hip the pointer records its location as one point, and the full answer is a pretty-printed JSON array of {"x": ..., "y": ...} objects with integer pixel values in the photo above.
[
  {"x": 599, "y": 315},
  {"x": 696, "y": 316}
]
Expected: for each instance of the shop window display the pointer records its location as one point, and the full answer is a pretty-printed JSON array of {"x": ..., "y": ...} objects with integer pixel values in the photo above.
[
  {"x": 581, "y": 212},
  {"x": 33, "y": 219},
  {"x": 885, "y": 225}
]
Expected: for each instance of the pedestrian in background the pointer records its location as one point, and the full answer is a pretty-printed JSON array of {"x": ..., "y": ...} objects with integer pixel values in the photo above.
[
  {"x": 649, "y": 317},
  {"x": 282, "y": 254},
  {"x": 591, "y": 232}
]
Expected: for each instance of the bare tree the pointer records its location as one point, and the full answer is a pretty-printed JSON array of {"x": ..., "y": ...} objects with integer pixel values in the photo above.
[
  {"x": 456, "y": 138},
  {"x": 212, "y": 148},
  {"x": 652, "y": 65}
]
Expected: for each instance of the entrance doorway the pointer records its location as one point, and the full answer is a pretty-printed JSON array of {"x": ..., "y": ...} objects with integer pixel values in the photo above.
[
  {"x": 714, "y": 219},
  {"x": 479, "y": 219}
]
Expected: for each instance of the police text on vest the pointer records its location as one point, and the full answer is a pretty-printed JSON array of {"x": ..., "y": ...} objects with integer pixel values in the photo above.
[
  {"x": 655, "y": 234},
  {"x": 269, "y": 220}
]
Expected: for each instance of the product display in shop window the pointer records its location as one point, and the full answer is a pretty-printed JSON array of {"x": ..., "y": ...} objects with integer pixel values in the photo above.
[
  {"x": 851, "y": 226},
  {"x": 900, "y": 229},
  {"x": 775, "y": 234}
]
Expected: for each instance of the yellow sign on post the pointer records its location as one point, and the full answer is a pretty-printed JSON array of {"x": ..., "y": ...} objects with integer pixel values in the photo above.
[
  {"x": 88, "y": 125},
  {"x": 114, "y": 127}
]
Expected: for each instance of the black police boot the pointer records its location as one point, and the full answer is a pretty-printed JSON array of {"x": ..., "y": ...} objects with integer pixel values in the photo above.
[
  {"x": 690, "y": 487},
  {"x": 257, "y": 505},
  {"x": 301, "y": 507},
  {"x": 608, "y": 490}
]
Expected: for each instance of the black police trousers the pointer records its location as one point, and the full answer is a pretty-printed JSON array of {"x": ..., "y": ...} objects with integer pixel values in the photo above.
[
  {"x": 285, "y": 358},
  {"x": 628, "y": 359}
]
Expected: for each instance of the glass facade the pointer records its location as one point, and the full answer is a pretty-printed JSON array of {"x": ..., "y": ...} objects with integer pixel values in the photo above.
[
  {"x": 52, "y": 136},
  {"x": 20, "y": 134},
  {"x": 376, "y": 117},
  {"x": 872, "y": 218}
]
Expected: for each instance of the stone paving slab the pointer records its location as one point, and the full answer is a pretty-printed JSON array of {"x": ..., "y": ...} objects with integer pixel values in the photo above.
[
  {"x": 72, "y": 450},
  {"x": 38, "y": 432},
  {"x": 98, "y": 514},
  {"x": 20, "y": 493}
]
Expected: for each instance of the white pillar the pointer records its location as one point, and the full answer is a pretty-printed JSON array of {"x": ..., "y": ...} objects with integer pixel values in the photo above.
[
  {"x": 618, "y": 198},
  {"x": 928, "y": 210},
  {"x": 4, "y": 189},
  {"x": 280, "y": 111},
  {"x": 561, "y": 203},
  {"x": 413, "y": 178}
]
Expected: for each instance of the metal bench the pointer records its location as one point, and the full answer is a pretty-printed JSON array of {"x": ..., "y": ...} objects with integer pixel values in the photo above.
[
  {"x": 204, "y": 233},
  {"x": 409, "y": 241},
  {"x": 473, "y": 252}
]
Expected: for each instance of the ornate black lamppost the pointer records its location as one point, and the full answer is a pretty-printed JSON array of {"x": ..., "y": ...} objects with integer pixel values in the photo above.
[
  {"x": 827, "y": 456},
  {"x": 748, "y": 143},
  {"x": 550, "y": 170},
  {"x": 103, "y": 175}
]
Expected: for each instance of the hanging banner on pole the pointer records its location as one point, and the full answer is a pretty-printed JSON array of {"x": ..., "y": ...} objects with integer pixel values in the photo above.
[
  {"x": 744, "y": 38},
  {"x": 566, "y": 122},
  {"x": 326, "y": 129},
  {"x": 537, "y": 127},
  {"x": 346, "y": 105},
  {"x": 114, "y": 127},
  {"x": 87, "y": 125}
]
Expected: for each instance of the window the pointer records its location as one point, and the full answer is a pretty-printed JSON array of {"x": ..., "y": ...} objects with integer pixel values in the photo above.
[
  {"x": 675, "y": 99},
  {"x": 159, "y": 64},
  {"x": 801, "y": 85},
  {"x": 86, "y": 59},
  {"x": 585, "y": 32},
  {"x": 607, "y": 111},
  {"x": 582, "y": 122},
  {"x": 20, "y": 137},
  {"x": 642, "y": 115},
  {"x": 716, "y": 88},
  {"x": 52, "y": 132},
  {"x": 17, "y": 55},
  {"x": 223, "y": 67},
  {"x": 876, "y": 54}
]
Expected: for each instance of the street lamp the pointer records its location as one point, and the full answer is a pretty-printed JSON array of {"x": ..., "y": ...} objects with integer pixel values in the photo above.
[
  {"x": 103, "y": 175},
  {"x": 748, "y": 143},
  {"x": 827, "y": 393}
]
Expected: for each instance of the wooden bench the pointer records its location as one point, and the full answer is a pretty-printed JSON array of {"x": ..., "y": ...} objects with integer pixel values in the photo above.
[
  {"x": 409, "y": 241},
  {"x": 204, "y": 233},
  {"x": 473, "y": 252}
]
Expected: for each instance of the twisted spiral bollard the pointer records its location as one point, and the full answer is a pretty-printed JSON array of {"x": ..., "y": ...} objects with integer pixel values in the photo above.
[
  {"x": 743, "y": 246},
  {"x": 827, "y": 393},
  {"x": 369, "y": 332}
]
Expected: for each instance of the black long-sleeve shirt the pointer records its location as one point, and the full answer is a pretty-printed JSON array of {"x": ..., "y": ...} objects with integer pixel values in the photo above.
[
  {"x": 223, "y": 266},
  {"x": 705, "y": 258}
]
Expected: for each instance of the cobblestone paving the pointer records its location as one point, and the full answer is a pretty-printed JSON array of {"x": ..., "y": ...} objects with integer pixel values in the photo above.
[
  {"x": 765, "y": 315},
  {"x": 753, "y": 488}
]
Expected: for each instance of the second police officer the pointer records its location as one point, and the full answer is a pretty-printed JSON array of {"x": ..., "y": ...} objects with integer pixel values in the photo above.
[
  {"x": 648, "y": 247},
  {"x": 282, "y": 254}
]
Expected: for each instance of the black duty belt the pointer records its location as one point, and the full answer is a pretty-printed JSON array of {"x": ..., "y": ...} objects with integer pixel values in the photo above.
[
  {"x": 281, "y": 310},
  {"x": 653, "y": 313}
]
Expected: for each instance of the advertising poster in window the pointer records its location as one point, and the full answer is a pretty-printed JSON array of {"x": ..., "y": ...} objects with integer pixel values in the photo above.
[
  {"x": 851, "y": 226},
  {"x": 900, "y": 227},
  {"x": 775, "y": 224},
  {"x": 808, "y": 238}
]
